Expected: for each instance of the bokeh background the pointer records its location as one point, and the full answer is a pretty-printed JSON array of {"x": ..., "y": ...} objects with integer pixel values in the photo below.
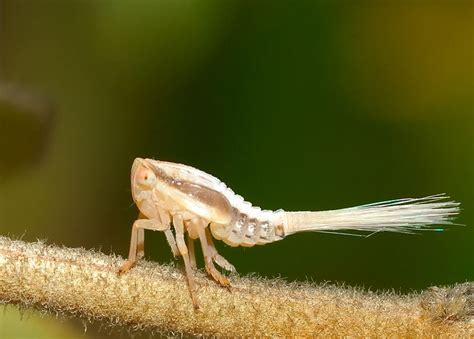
[{"x": 307, "y": 105}]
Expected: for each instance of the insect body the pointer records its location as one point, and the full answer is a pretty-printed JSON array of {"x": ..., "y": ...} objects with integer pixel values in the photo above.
[{"x": 202, "y": 207}]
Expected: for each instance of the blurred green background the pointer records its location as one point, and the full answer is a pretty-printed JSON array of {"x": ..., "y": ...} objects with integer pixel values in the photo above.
[{"x": 307, "y": 105}]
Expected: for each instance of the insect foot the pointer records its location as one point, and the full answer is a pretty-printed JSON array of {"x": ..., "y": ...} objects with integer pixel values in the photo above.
[
  {"x": 215, "y": 274},
  {"x": 126, "y": 267}
]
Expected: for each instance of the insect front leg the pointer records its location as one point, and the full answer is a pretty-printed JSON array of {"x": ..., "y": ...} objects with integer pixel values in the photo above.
[
  {"x": 208, "y": 260},
  {"x": 137, "y": 240},
  {"x": 183, "y": 250},
  {"x": 140, "y": 239},
  {"x": 165, "y": 219}
]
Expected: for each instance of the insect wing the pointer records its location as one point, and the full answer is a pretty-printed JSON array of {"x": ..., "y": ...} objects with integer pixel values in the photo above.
[
  {"x": 195, "y": 190},
  {"x": 187, "y": 173},
  {"x": 201, "y": 200}
]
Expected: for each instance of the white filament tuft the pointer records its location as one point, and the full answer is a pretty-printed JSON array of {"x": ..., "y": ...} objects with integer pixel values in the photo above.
[{"x": 401, "y": 215}]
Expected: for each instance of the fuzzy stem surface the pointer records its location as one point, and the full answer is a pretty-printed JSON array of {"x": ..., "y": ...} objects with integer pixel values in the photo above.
[{"x": 85, "y": 284}]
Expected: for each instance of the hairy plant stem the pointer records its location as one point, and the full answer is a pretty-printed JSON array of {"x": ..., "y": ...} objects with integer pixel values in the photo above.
[{"x": 85, "y": 284}]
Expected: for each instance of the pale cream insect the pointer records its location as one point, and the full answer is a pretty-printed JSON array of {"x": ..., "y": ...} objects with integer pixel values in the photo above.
[{"x": 201, "y": 206}]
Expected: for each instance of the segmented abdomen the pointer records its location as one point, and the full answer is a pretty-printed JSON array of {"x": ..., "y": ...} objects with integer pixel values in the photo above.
[{"x": 250, "y": 226}]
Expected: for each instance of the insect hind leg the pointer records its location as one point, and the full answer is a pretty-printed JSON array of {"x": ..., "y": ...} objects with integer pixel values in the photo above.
[
  {"x": 218, "y": 259},
  {"x": 208, "y": 253}
]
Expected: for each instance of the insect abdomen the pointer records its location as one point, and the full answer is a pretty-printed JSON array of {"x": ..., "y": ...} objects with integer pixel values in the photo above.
[{"x": 250, "y": 227}]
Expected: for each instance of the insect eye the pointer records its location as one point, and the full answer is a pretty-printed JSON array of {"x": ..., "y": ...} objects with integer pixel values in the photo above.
[{"x": 146, "y": 177}]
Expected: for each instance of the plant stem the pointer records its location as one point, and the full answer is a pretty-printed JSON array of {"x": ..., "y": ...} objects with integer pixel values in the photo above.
[{"x": 85, "y": 284}]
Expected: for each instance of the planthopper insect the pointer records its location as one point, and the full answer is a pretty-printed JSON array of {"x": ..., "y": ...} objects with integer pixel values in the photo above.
[{"x": 200, "y": 206}]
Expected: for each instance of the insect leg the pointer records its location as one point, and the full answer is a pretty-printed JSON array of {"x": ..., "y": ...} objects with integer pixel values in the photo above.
[
  {"x": 179, "y": 227},
  {"x": 165, "y": 218},
  {"x": 192, "y": 255},
  {"x": 218, "y": 259},
  {"x": 172, "y": 242},
  {"x": 141, "y": 239},
  {"x": 138, "y": 226},
  {"x": 210, "y": 268}
]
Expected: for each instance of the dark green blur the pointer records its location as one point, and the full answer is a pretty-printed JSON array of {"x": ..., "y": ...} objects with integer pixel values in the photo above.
[{"x": 305, "y": 105}]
